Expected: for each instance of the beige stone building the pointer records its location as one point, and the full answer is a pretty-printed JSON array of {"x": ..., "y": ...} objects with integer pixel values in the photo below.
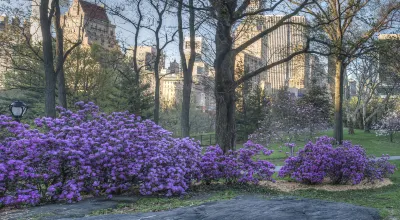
[
  {"x": 146, "y": 56},
  {"x": 170, "y": 85},
  {"x": 89, "y": 22},
  {"x": 272, "y": 48}
]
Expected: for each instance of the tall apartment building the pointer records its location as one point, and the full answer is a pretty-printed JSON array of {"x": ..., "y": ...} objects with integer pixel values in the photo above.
[
  {"x": 387, "y": 70},
  {"x": 389, "y": 64},
  {"x": 254, "y": 5},
  {"x": 273, "y": 47},
  {"x": 146, "y": 56},
  {"x": 89, "y": 22},
  {"x": 174, "y": 67},
  {"x": 170, "y": 85},
  {"x": 199, "y": 48}
]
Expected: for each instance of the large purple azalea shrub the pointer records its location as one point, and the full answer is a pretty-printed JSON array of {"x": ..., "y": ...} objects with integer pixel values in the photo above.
[
  {"x": 90, "y": 152},
  {"x": 242, "y": 166},
  {"x": 341, "y": 165}
]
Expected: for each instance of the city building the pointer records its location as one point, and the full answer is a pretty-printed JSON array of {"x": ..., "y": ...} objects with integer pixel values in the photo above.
[
  {"x": 387, "y": 58},
  {"x": 174, "y": 67},
  {"x": 199, "y": 48},
  {"x": 146, "y": 56},
  {"x": 90, "y": 23},
  {"x": 170, "y": 84},
  {"x": 389, "y": 64},
  {"x": 273, "y": 47},
  {"x": 254, "y": 5}
]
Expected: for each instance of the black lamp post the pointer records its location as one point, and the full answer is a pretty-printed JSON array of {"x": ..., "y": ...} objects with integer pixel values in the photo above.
[{"x": 18, "y": 109}]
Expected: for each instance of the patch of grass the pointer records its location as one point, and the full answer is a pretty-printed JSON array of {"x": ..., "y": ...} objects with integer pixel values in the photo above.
[{"x": 373, "y": 145}]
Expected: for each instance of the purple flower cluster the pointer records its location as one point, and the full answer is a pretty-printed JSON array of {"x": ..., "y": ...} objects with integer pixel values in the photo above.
[
  {"x": 241, "y": 166},
  {"x": 344, "y": 164},
  {"x": 90, "y": 152}
]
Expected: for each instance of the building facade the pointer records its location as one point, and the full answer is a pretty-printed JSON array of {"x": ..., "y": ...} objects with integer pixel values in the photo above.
[
  {"x": 273, "y": 47},
  {"x": 89, "y": 22}
]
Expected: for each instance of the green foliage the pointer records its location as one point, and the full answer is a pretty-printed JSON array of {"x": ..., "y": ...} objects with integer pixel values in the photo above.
[
  {"x": 92, "y": 74},
  {"x": 318, "y": 97},
  {"x": 251, "y": 110},
  {"x": 200, "y": 122}
]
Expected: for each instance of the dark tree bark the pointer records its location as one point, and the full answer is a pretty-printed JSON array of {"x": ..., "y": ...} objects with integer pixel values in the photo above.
[
  {"x": 187, "y": 67},
  {"x": 62, "y": 93},
  {"x": 339, "y": 80},
  {"x": 225, "y": 85},
  {"x": 48, "y": 62}
]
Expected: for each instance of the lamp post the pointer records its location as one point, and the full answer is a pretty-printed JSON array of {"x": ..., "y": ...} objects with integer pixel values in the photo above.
[{"x": 18, "y": 109}]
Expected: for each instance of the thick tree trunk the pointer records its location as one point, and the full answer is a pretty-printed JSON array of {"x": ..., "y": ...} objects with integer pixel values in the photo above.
[
  {"x": 225, "y": 119},
  {"x": 187, "y": 67},
  {"x": 62, "y": 93},
  {"x": 50, "y": 76},
  {"x": 339, "y": 80},
  {"x": 225, "y": 88},
  {"x": 351, "y": 126},
  {"x": 185, "y": 116},
  {"x": 331, "y": 75}
]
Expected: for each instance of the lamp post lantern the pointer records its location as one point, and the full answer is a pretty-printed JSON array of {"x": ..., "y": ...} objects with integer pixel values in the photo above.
[{"x": 18, "y": 109}]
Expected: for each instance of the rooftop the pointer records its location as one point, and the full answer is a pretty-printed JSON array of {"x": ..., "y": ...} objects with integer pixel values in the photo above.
[{"x": 94, "y": 11}]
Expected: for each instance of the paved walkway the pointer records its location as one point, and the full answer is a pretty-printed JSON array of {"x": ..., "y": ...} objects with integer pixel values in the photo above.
[
  {"x": 255, "y": 208},
  {"x": 242, "y": 207}
]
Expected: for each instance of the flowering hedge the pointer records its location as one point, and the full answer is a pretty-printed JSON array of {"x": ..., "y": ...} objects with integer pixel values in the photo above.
[
  {"x": 241, "y": 166},
  {"x": 341, "y": 165},
  {"x": 93, "y": 153}
]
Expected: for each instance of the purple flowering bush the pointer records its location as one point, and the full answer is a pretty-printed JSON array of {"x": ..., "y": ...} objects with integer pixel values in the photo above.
[
  {"x": 341, "y": 165},
  {"x": 90, "y": 152},
  {"x": 242, "y": 166}
]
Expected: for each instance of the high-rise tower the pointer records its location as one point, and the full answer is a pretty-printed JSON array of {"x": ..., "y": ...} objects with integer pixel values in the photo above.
[{"x": 254, "y": 5}]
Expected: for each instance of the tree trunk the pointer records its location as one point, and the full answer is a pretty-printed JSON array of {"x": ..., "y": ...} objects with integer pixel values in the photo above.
[
  {"x": 157, "y": 93},
  {"x": 391, "y": 137},
  {"x": 48, "y": 62},
  {"x": 331, "y": 75},
  {"x": 187, "y": 67},
  {"x": 62, "y": 93},
  {"x": 339, "y": 78},
  {"x": 365, "y": 119},
  {"x": 351, "y": 126},
  {"x": 225, "y": 119},
  {"x": 225, "y": 87}
]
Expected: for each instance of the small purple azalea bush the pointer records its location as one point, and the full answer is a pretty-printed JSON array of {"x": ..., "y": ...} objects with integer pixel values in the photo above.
[
  {"x": 88, "y": 152},
  {"x": 240, "y": 166},
  {"x": 346, "y": 164}
]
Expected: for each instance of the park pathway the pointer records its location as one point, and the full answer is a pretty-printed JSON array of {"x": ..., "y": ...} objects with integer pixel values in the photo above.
[{"x": 251, "y": 207}]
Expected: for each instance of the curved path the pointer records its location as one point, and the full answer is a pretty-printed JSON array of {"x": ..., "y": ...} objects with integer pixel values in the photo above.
[
  {"x": 254, "y": 208},
  {"x": 245, "y": 207}
]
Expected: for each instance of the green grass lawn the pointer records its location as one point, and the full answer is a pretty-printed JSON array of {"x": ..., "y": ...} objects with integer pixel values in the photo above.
[{"x": 373, "y": 145}]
